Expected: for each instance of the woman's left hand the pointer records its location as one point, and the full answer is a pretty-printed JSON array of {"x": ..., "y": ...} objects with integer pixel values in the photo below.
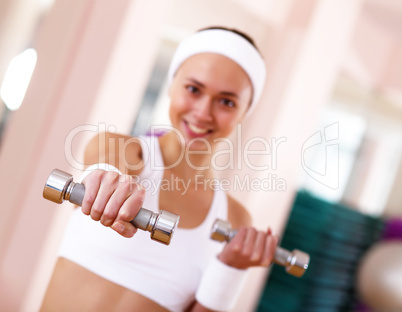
[{"x": 250, "y": 248}]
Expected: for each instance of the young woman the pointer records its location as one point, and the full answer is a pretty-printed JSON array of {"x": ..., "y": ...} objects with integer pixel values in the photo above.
[{"x": 216, "y": 77}]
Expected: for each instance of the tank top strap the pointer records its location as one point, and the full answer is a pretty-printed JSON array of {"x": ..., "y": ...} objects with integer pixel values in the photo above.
[
  {"x": 152, "y": 158},
  {"x": 222, "y": 203},
  {"x": 152, "y": 174},
  {"x": 217, "y": 210}
]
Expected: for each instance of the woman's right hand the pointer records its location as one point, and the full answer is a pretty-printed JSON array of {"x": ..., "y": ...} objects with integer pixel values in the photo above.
[
  {"x": 112, "y": 199},
  {"x": 250, "y": 248}
]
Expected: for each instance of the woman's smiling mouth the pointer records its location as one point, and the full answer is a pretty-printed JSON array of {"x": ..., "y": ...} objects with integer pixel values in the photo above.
[{"x": 197, "y": 130}]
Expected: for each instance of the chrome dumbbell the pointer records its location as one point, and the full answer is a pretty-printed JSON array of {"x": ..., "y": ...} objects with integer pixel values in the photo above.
[
  {"x": 295, "y": 262},
  {"x": 60, "y": 186}
]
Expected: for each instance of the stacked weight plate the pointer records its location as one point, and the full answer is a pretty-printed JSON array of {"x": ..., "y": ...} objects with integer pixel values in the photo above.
[{"x": 336, "y": 237}]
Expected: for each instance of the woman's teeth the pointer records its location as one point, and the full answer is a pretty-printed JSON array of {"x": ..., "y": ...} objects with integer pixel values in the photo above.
[{"x": 197, "y": 130}]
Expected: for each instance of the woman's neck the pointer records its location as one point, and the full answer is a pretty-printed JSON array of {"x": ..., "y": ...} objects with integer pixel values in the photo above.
[{"x": 182, "y": 163}]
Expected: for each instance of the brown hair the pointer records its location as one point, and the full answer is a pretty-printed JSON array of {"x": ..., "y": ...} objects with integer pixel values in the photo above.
[{"x": 237, "y": 32}]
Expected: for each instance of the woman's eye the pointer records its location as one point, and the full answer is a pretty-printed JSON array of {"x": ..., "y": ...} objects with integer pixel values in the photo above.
[
  {"x": 227, "y": 102},
  {"x": 192, "y": 89}
]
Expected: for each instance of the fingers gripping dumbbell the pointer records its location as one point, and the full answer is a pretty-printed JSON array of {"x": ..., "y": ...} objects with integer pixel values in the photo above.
[
  {"x": 295, "y": 262},
  {"x": 60, "y": 186}
]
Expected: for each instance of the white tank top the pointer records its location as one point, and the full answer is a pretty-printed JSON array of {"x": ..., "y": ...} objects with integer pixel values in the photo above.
[{"x": 168, "y": 275}]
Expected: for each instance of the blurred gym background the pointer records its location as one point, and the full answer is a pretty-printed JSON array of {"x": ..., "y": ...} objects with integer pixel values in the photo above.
[{"x": 70, "y": 68}]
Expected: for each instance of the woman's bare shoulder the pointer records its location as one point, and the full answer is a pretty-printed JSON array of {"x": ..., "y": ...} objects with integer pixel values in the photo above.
[
  {"x": 237, "y": 214},
  {"x": 121, "y": 151}
]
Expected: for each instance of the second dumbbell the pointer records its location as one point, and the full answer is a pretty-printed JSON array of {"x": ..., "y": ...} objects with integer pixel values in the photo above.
[{"x": 295, "y": 262}]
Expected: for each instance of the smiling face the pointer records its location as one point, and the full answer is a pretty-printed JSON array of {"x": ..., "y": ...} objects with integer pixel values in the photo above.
[{"x": 209, "y": 95}]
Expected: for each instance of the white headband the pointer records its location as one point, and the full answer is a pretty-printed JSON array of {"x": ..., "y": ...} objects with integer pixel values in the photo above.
[{"x": 228, "y": 44}]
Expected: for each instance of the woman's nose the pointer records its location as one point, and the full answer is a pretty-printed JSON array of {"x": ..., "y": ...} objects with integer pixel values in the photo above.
[{"x": 203, "y": 109}]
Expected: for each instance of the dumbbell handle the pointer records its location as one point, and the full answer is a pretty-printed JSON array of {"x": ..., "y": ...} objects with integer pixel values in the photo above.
[
  {"x": 296, "y": 262},
  {"x": 60, "y": 186},
  {"x": 141, "y": 221}
]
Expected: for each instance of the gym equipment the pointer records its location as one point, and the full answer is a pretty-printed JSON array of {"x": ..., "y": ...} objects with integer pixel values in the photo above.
[
  {"x": 320, "y": 228},
  {"x": 379, "y": 272},
  {"x": 295, "y": 262},
  {"x": 60, "y": 186}
]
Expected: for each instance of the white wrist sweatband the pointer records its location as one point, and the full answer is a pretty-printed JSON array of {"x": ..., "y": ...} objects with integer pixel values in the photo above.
[
  {"x": 102, "y": 166},
  {"x": 220, "y": 286}
]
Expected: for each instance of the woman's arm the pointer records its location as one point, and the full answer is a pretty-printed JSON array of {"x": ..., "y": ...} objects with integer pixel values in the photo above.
[
  {"x": 197, "y": 307},
  {"x": 121, "y": 151},
  {"x": 111, "y": 198},
  {"x": 249, "y": 248}
]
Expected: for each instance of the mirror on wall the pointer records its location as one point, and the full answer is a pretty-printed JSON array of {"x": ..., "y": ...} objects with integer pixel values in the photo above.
[
  {"x": 154, "y": 104},
  {"x": 356, "y": 158}
]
